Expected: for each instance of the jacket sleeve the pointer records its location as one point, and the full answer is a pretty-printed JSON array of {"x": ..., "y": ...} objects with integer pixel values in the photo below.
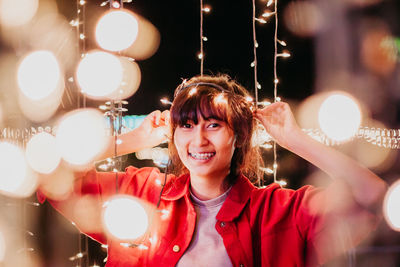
[{"x": 83, "y": 205}]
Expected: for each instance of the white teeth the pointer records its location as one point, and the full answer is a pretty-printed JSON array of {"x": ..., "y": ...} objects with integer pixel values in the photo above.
[{"x": 202, "y": 156}]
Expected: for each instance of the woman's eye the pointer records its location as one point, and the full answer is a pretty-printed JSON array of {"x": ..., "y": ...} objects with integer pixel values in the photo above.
[
  {"x": 214, "y": 125},
  {"x": 186, "y": 125}
]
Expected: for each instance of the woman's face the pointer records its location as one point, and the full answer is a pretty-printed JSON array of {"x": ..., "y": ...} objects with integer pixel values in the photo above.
[{"x": 206, "y": 148}]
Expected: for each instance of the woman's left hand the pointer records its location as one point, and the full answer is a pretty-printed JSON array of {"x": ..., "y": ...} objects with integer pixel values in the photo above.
[{"x": 279, "y": 122}]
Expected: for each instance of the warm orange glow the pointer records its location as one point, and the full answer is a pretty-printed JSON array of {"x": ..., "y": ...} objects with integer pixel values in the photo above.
[
  {"x": 339, "y": 116},
  {"x": 117, "y": 30},
  {"x": 392, "y": 206},
  {"x": 81, "y": 136},
  {"x": 39, "y": 75},
  {"x": 99, "y": 74},
  {"x": 42, "y": 154},
  {"x": 17, "y": 12},
  {"x": 125, "y": 218},
  {"x": 17, "y": 179}
]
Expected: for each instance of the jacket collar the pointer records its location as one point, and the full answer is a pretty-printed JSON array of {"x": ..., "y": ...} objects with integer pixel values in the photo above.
[
  {"x": 236, "y": 200},
  {"x": 176, "y": 188},
  {"x": 233, "y": 205}
]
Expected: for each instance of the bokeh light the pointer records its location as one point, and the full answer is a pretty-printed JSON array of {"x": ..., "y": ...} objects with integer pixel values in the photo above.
[
  {"x": 391, "y": 206},
  {"x": 17, "y": 12},
  {"x": 117, "y": 30},
  {"x": 339, "y": 116},
  {"x": 58, "y": 185},
  {"x": 375, "y": 157},
  {"x": 131, "y": 77},
  {"x": 147, "y": 41},
  {"x": 99, "y": 74},
  {"x": 42, "y": 154},
  {"x": 39, "y": 75},
  {"x": 303, "y": 18},
  {"x": 81, "y": 136},
  {"x": 379, "y": 50},
  {"x": 125, "y": 218},
  {"x": 16, "y": 179}
]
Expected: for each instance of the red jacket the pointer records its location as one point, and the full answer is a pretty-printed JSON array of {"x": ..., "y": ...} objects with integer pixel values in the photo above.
[{"x": 271, "y": 226}]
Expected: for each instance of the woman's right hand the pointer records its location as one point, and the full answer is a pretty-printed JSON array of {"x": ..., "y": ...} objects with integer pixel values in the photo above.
[{"x": 155, "y": 128}]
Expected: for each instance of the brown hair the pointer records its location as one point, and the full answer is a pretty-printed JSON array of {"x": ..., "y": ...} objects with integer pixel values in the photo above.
[{"x": 196, "y": 97}]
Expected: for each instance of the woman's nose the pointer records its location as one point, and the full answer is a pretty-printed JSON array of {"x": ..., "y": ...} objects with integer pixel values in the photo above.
[{"x": 200, "y": 137}]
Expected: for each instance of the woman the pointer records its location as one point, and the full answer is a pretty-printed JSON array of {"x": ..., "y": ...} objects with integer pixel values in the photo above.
[{"x": 214, "y": 215}]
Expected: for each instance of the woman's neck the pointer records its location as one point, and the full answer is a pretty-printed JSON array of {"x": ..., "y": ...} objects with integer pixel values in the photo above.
[{"x": 206, "y": 188}]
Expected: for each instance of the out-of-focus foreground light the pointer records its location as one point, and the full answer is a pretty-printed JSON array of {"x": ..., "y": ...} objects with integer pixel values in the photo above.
[
  {"x": 125, "y": 218},
  {"x": 339, "y": 117},
  {"x": 131, "y": 77},
  {"x": 99, "y": 74},
  {"x": 42, "y": 154},
  {"x": 303, "y": 18},
  {"x": 39, "y": 75},
  {"x": 117, "y": 30},
  {"x": 17, "y": 12},
  {"x": 16, "y": 177},
  {"x": 391, "y": 206},
  {"x": 81, "y": 136}
]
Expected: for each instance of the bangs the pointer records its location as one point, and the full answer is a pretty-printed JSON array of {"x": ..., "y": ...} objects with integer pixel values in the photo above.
[{"x": 191, "y": 106}]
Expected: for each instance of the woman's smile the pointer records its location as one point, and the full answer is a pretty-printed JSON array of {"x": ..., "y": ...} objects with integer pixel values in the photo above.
[{"x": 205, "y": 148}]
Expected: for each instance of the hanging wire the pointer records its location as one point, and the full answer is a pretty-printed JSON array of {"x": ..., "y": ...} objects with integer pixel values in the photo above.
[
  {"x": 254, "y": 63},
  {"x": 201, "y": 55},
  {"x": 275, "y": 79}
]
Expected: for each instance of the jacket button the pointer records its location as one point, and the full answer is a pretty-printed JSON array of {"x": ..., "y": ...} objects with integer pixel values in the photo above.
[
  {"x": 176, "y": 248},
  {"x": 222, "y": 224}
]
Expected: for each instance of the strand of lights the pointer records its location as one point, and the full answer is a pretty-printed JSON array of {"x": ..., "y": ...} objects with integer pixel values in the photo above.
[{"x": 203, "y": 39}]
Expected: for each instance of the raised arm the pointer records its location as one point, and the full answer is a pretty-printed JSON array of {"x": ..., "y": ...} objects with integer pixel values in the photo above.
[
  {"x": 151, "y": 132},
  {"x": 366, "y": 188}
]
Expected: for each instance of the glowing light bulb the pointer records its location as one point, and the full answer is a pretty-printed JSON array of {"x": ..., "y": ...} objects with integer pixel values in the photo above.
[
  {"x": 200, "y": 55},
  {"x": 117, "y": 30},
  {"x": 17, "y": 178},
  {"x": 42, "y": 154},
  {"x": 39, "y": 75},
  {"x": 206, "y": 9},
  {"x": 125, "y": 218},
  {"x": 391, "y": 206},
  {"x": 339, "y": 117},
  {"x": 81, "y": 136},
  {"x": 267, "y": 14},
  {"x": 165, "y": 101},
  {"x": 263, "y": 21},
  {"x": 17, "y": 12},
  {"x": 220, "y": 99},
  {"x": 99, "y": 74}
]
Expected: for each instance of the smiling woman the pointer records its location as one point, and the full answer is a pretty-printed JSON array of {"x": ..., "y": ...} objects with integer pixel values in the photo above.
[{"x": 207, "y": 212}]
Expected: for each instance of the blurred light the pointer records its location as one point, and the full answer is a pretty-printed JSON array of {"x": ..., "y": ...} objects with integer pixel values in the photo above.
[
  {"x": 116, "y": 4},
  {"x": 125, "y": 218},
  {"x": 59, "y": 184},
  {"x": 117, "y": 30},
  {"x": 303, "y": 18},
  {"x": 39, "y": 75},
  {"x": 99, "y": 74},
  {"x": 339, "y": 117},
  {"x": 17, "y": 12},
  {"x": 379, "y": 51},
  {"x": 391, "y": 206},
  {"x": 147, "y": 40},
  {"x": 42, "y": 154},
  {"x": 220, "y": 99},
  {"x": 206, "y": 9},
  {"x": 131, "y": 77},
  {"x": 81, "y": 136},
  {"x": 16, "y": 177},
  {"x": 375, "y": 157}
]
